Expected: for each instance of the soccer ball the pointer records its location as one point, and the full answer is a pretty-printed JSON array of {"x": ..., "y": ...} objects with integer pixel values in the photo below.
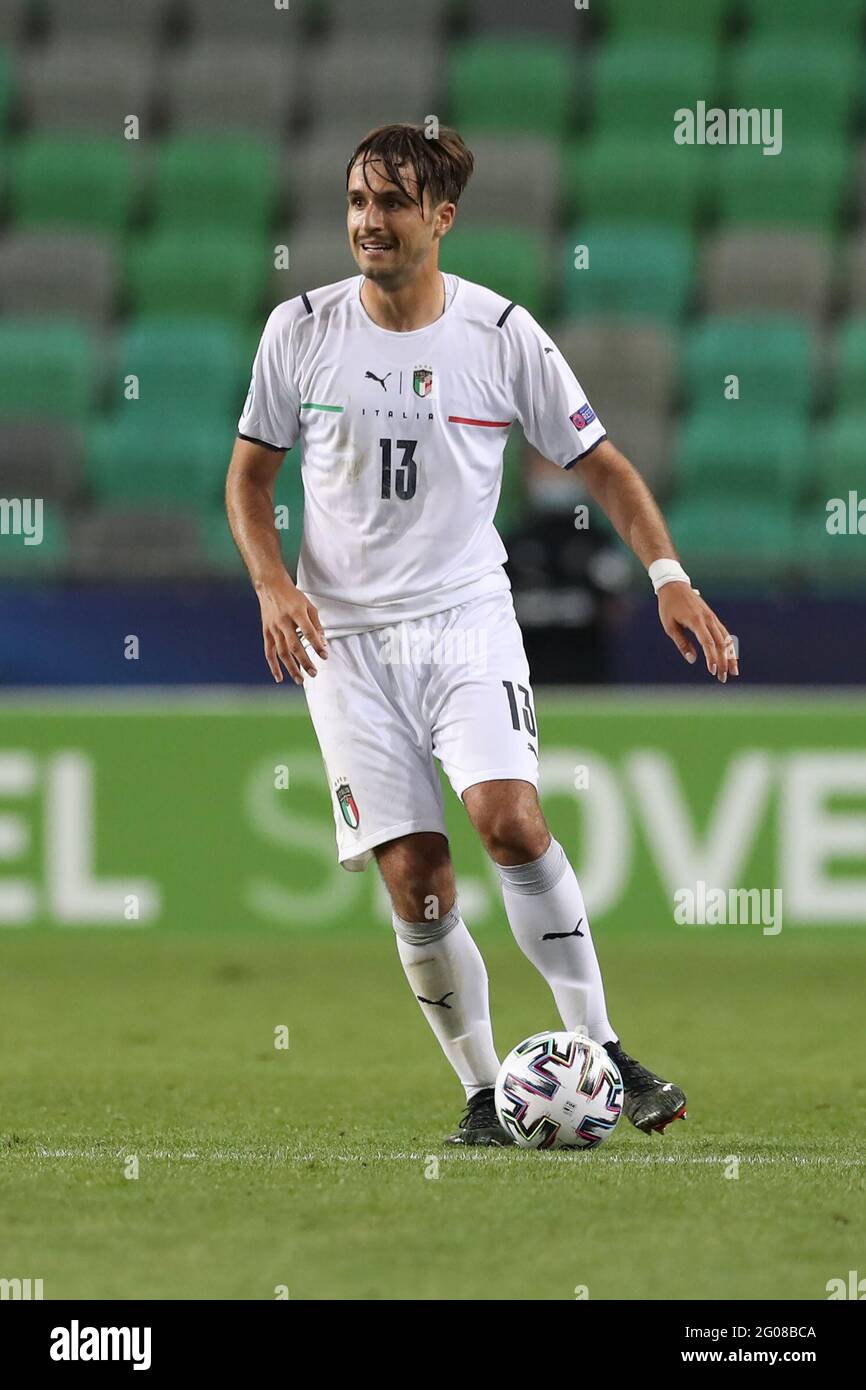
[{"x": 559, "y": 1091}]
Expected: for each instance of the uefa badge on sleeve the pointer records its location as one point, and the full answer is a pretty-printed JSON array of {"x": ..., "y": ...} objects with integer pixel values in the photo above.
[
  {"x": 348, "y": 805},
  {"x": 583, "y": 417},
  {"x": 422, "y": 381}
]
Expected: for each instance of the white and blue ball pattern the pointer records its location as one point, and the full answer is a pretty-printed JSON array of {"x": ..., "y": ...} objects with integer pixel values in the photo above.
[{"x": 559, "y": 1091}]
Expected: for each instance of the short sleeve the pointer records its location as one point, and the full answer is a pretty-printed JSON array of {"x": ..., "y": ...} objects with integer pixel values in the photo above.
[
  {"x": 549, "y": 401},
  {"x": 271, "y": 411}
]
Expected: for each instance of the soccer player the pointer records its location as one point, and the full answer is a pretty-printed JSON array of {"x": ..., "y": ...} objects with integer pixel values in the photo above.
[{"x": 402, "y": 383}]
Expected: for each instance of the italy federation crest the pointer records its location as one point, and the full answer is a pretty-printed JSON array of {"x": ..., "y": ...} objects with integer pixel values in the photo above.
[
  {"x": 422, "y": 381},
  {"x": 348, "y": 805}
]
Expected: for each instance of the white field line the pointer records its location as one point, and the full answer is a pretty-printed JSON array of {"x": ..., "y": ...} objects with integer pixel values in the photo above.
[{"x": 640, "y": 1160}]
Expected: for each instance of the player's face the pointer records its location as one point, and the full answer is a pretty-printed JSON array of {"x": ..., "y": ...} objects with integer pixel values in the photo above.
[{"x": 390, "y": 238}]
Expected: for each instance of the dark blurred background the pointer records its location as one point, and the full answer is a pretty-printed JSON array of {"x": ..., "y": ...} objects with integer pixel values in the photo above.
[{"x": 152, "y": 258}]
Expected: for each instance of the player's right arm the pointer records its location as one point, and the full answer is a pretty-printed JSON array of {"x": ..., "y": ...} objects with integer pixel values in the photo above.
[
  {"x": 284, "y": 608},
  {"x": 268, "y": 427}
]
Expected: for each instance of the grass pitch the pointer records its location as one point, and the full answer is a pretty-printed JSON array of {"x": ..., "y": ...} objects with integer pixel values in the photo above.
[{"x": 313, "y": 1168}]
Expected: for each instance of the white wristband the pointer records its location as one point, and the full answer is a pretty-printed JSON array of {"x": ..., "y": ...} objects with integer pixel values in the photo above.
[{"x": 663, "y": 572}]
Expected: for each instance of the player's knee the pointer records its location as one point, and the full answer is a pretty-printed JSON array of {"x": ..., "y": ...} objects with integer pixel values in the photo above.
[{"x": 515, "y": 836}]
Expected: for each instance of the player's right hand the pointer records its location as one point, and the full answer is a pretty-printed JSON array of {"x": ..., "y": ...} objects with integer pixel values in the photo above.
[{"x": 287, "y": 616}]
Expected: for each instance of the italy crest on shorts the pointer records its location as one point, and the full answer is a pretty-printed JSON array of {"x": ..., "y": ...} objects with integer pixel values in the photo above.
[
  {"x": 348, "y": 805},
  {"x": 422, "y": 381}
]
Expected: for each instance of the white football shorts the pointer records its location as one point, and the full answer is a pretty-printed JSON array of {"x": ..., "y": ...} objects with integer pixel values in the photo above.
[{"x": 453, "y": 686}]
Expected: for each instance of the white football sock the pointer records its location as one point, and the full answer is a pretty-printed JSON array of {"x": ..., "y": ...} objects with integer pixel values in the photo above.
[
  {"x": 448, "y": 978},
  {"x": 544, "y": 906}
]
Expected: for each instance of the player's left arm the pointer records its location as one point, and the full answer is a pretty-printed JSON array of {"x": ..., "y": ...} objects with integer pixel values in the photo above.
[{"x": 624, "y": 497}]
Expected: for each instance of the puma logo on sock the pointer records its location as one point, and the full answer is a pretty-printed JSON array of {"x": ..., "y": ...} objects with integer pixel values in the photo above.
[
  {"x": 558, "y": 935},
  {"x": 440, "y": 1003}
]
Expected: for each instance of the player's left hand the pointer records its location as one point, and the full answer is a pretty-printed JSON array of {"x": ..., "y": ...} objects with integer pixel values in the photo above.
[{"x": 680, "y": 608}]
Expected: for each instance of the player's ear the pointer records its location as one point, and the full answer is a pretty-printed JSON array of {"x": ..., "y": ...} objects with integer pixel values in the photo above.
[{"x": 445, "y": 215}]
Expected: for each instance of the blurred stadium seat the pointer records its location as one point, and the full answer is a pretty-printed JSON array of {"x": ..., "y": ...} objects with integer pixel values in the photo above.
[
  {"x": 50, "y": 369},
  {"x": 670, "y": 17},
  {"x": 747, "y": 270},
  {"x": 85, "y": 182},
  {"x": 634, "y": 271},
  {"x": 235, "y": 86},
  {"x": 88, "y": 85},
  {"x": 106, "y": 19},
  {"x": 13, "y": 19},
  {"x": 523, "y": 85},
  {"x": 59, "y": 273}
]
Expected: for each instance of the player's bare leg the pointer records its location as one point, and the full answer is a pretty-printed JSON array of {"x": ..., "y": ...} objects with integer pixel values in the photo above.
[
  {"x": 446, "y": 972},
  {"x": 548, "y": 917}
]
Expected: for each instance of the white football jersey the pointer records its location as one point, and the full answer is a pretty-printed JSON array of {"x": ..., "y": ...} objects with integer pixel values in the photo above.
[{"x": 402, "y": 436}]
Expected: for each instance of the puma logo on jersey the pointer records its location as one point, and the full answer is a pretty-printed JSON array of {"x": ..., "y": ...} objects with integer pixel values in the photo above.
[
  {"x": 531, "y": 749},
  {"x": 440, "y": 1003},
  {"x": 558, "y": 935},
  {"x": 381, "y": 379}
]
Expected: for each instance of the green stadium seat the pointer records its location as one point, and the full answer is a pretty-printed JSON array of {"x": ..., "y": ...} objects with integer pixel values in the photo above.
[
  {"x": 678, "y": 18},
  {"x": 733, "y": 538},
  {"x": 772, "y": 357},
  {"x": 137, "y": 457},
  {"x": 640, "y": 83},
  {"x": 814, "y": 82},
  {"x": 634, "y": 272},
  {"x": 523, "y": 85},
  {"x": 632, "y": 181},
  {"x": 173, "y": 272},
  {"x": 230, "y": 183},
  {"x": 803, "y": 186},
  {"x": 839, "y": 458},
  {"x": 514, "y": 263},
  {"x": 57, "y": 181},
  {"x": 186, "y": 366},
  {"x": 7, "y": 86},
  {"x": 842, "y": 18},
  {"x": 21, "y": 561},
  {"x": 850, "y": 356},
  {"x": 763, "y": 455},
  {"x": 49, "y": 369}
]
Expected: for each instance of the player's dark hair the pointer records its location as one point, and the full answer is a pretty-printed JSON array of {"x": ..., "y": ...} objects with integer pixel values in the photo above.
[{"x": 443, "y": 165}]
